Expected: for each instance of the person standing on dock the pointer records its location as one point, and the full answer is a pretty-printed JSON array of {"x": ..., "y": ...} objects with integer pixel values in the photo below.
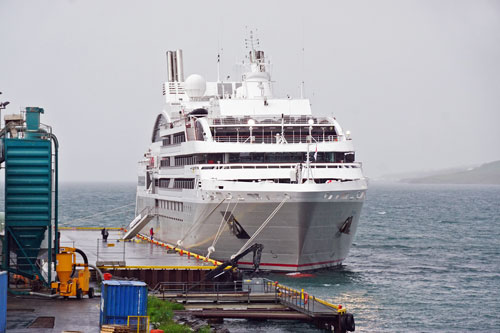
[
  {"x": 104, "y": 234},
  {"x": 151, "y": 233}
]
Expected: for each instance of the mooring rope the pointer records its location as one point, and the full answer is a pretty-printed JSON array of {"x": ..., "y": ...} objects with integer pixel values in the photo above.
[
  {"x": 211, "y": 248},
  {"x": 256, "y": 233},
  {"x": 219, "y": 232},
  {"x": 101, "y": 213},
  {"x": 199, "y": 220}
]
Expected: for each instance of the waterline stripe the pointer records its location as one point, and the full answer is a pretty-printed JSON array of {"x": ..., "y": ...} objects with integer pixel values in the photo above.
[{"x": 292, "y": 265}]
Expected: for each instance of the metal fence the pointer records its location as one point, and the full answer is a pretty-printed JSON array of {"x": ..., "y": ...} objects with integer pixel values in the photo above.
[
  {"x": 110, "y": 252},
  {"x": 244, "y": 290}
]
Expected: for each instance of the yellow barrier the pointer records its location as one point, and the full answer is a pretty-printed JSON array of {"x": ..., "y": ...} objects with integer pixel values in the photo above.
[
  {"x": 158, "y": 267},
  {"x": 180, "y": 251},
  {"x": 140, "y": 328},
  {"x": 339, "y": 308},
  {"x": 88, "y": 228}
]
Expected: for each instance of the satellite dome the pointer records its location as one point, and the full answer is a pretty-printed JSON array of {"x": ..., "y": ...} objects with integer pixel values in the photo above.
[{"x": 195, "y": 86}]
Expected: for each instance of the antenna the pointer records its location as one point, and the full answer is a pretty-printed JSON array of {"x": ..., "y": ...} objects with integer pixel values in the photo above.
[
  {"x": 251, "y": 43},
  {"x": 303, "y": 63},
  {"x": 220, "y": 50},
  {"x": 219, "y": 57}
]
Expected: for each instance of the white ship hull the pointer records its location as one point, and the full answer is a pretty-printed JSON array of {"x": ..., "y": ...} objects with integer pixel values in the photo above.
[{"x": 305, "y": 234}]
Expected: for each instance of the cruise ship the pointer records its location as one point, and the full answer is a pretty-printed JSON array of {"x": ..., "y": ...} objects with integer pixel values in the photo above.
[{"x": 230, "y": 165}]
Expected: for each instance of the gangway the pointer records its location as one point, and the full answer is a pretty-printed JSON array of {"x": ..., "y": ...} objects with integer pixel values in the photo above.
[{"x": 139, "y": 222}]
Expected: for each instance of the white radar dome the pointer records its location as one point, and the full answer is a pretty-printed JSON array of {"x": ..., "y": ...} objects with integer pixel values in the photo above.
[{"x": 195, "y": 85}]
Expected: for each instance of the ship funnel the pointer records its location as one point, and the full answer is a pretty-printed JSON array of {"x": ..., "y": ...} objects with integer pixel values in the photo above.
[
  {"x": 170, "y": 64},
  {"x": 175, "y": 67},
  {"x": 180, "y": 66}
]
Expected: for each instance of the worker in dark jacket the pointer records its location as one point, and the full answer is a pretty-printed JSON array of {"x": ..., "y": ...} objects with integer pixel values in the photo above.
[{"x": 104, "y": 234}]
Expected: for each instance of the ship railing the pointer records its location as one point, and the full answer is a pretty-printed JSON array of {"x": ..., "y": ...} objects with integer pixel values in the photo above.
[
  {"x": 263, "y": 120},
  {"x": 275, "y": 166},
  {"x": 216, "y": 289},
  {"x": 275, "y": 139},
  {"x": 245, "y": 290}
]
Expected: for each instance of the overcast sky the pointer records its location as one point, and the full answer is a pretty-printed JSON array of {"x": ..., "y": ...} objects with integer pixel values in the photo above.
[{"x": 416, "y": 82}]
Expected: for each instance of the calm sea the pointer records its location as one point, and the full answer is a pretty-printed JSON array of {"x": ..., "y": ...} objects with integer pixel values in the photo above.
[{"x": 426, "y": 258}]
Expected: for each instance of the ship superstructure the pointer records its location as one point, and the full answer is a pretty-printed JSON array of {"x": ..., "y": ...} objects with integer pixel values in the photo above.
[{"x": 231, "y": 165}]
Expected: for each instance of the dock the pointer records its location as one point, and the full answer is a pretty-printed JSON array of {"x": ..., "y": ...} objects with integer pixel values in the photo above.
[
  {"x": 143, "y": 259},
  {"x": 258, "y": 298},
  {"x": 178, "y": 275}
]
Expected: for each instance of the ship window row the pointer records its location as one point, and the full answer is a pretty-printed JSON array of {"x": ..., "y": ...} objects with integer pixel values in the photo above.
[
  {"x": 180, "y": 183},
  {"x": 176, "y": 206},
  {"x": 289, "y": 181},
  {"x": 291, "y": 157},
  {"x": 184, "y": 183},
  {"x": 287, "y": 157},
  {"x": 178, "y": 138},
  {"x": 274, "y": 134},
  {"x": 165, "y": 161},
  {"x": 174, "y": 139},
  {"x": 192, "y": 159},
  {"x": 163, "y": 182},
  {"x": 185, "y": 160}
]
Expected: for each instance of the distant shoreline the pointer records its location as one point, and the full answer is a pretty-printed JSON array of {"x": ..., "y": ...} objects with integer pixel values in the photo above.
[{"x": 486, "y": 174}]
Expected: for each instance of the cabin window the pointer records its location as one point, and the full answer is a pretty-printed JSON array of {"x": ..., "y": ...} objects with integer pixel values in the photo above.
[
  {"x": 170, "y": 205},
  {"x": 163, "y": 183},
  {"x": 185, "y": 160},
  {"x": 166, "y": 141},
  {"x": 165, "y": 161},
  {"x": 179, "y": 137}
]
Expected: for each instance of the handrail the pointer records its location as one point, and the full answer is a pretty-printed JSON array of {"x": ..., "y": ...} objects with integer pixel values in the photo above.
[
  {"x": 147, "y": 210},
  {"x": 295, "y": 293},
  {"x": 270, "y": 120},
  {"x": 298, "y": 299},
  {"x": 313, "y": 165},
  {"x": 271, "y": 139}
]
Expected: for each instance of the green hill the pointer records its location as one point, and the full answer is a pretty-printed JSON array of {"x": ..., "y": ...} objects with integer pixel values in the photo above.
[{"x": 488, "y": 173}]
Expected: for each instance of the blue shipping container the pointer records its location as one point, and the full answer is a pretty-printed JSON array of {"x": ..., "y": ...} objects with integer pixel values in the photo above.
[
  {"x": 3, "y": 301},
  {"x": 120, "y": 299}
]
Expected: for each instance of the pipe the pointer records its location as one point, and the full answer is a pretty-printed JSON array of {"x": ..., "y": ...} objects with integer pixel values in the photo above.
[
  {"x": 180, "y": 66},
  {"x": 174, "y": 67},
  {"x": 169, "y": 67},
  {"x": 43, "y": 295},
  {"x": 31, "y": 293},
  {"x": 84, "y": 256},
  {"x": 98, "y": 271}
]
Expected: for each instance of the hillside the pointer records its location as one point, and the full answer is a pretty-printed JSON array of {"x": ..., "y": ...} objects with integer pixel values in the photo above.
[{"x": 488, "y": 173}]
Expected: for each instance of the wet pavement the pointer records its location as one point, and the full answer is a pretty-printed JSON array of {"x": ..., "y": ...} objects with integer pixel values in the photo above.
[
  {"x": 116, "y": 252},
  {"x": 80, "y": 315}
]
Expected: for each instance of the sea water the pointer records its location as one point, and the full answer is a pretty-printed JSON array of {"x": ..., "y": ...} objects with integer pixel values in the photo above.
[{"x": 426, "y": 258}]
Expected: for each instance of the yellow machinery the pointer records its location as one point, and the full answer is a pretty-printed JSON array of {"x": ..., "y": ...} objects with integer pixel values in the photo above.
[{"x": 66, "y": 268}]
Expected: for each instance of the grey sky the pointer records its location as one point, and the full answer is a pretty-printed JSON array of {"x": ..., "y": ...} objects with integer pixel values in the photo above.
[{"x": 416, "y": 82}]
